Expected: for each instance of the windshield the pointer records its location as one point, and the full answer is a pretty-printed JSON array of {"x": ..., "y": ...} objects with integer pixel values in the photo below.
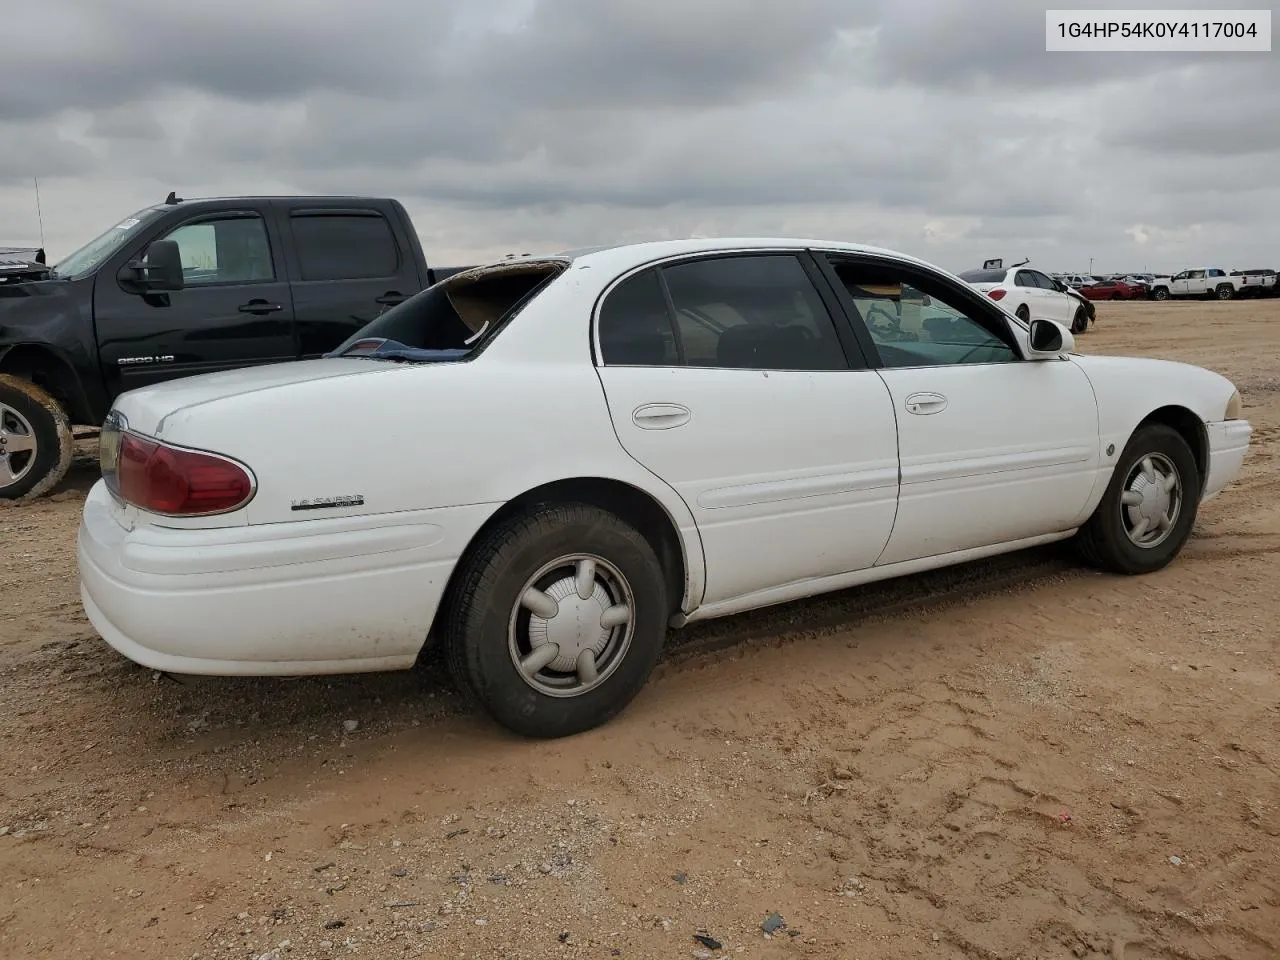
[
  {"x": 453, "y": 319},
  {"x": 91, "y": 256}
]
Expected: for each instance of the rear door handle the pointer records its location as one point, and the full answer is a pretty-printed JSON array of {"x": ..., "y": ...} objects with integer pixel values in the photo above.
[
  {"x": 259, "y": 306},
  {"x": 660, "y": 416},
  {"x": 924, "y": 404},
  {"x": 390, "y": 298}
]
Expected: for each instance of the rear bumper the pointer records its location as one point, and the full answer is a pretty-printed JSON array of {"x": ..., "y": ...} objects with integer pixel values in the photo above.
[
  {"x": 1228, "y": 444},
  {"x": 316, "y": 596}
]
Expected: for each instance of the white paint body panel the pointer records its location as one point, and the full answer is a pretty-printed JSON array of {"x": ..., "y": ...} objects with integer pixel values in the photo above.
[
  {"x": 778, "y": 486},
  {"x": 1012, "y": 454},
  {"x": 789, "y": 475}
]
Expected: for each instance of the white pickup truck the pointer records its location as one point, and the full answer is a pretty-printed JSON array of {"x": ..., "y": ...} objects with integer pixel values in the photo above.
[
  {"x": 1200, "y": 282},
  {"x": 1256, "y": 283}
]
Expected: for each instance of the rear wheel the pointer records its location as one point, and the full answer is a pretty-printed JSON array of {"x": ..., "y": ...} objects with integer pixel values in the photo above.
[
  {"x": 1149, "y": 508},
  {"x": 1023, "y": 314},
  {"x": 557, "y": 619},
  {"x": 35, "y": 440}
]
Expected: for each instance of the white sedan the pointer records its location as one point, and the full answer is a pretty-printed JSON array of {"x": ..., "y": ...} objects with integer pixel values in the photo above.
[
  {"x": 1030, "y": 294},
  {"x": 545, "y": 463}
]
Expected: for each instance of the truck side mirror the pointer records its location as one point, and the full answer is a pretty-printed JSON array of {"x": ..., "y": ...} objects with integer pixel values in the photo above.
[{"x": 160, "y": 270}]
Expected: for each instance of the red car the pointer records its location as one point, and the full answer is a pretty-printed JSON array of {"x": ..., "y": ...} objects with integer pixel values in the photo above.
[{"x": 1114, "y": 290}]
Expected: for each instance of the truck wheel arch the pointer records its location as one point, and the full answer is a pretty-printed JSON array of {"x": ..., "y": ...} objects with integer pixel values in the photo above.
[{"x": 53, "y": 374}]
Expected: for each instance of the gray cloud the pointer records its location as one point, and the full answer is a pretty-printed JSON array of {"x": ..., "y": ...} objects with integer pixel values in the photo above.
[{"x": 938, "y": 126}]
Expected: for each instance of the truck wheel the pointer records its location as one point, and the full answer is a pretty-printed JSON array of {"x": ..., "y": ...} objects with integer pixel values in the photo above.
[
  {"x": 1225, "y": 292},
  {"x": 1160, "y": 293},
  {"x": 35, "y": 440},
  {"x": 556, "y": 619},
  {"x": 1080, "y": 323}
]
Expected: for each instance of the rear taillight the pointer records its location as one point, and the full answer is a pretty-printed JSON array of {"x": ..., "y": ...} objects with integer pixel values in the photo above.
[
  {"x": 173, "y": 480},
  {"x": 997, "y": 293}
]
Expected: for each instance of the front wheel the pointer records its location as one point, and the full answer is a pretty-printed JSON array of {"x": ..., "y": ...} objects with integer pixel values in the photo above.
[
  {"x": 1149, "y": 508},
  {"x": 557, "y": 619},
  {"x": 1080, "y": 322},
  {"x": 1225, "y": 292},
  {"x": 1159, "y": 293},
  {"x": 35, "y": 440}
]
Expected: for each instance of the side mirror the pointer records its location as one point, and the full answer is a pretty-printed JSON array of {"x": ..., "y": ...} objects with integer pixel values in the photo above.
[
  {"x": 161, "y": 269},
  {"x": 1049, "y": 339}
]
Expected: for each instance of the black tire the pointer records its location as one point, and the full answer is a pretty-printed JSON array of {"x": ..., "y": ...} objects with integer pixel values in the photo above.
[
  {"x": 1160, "y": 293},
  {"x": 1225, "y": 291},
  {"x": 28, "y": 413},
  {"x": 1103, "y": 539},
  {"x": 1023, "y": 314},
  {"x": 479, "y": 616},
  {"x": 1080, "y": 322}
]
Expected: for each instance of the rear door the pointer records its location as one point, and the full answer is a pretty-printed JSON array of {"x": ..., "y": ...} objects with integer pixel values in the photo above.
[
  {"x": 348, "y": 264},
  {"x": 234, "y": 311},
  {"x": 726, "y": 377}
]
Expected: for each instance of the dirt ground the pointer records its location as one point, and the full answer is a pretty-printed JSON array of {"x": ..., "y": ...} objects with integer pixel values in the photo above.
[{"x": 1019, "y": 759}]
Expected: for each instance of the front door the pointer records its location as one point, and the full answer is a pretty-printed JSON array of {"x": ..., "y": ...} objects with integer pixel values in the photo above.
[
  {"x": 993, "y": 448},
  {"x": 234, "y": 311},
  {"x": 726, "y": 377}
]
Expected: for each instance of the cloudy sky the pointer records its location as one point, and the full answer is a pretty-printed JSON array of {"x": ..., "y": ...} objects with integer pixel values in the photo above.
[{"x": 937, "y": 127}]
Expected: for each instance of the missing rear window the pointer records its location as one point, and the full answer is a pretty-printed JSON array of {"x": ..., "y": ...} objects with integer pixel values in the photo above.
[{"x": 455, "y": 318}]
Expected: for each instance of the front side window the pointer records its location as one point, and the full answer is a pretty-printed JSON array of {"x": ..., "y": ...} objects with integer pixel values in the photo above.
[
  {"x": 232, "y": 249},
  {"x": 345, "y": 246},
  {"x": 917, "y": 322}
]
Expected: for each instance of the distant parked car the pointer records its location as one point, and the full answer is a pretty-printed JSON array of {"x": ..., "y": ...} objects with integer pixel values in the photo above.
[
  {"x": 1256, "y": 283},
  {"x": 544, "y": 464},
  {"x": 1029, "y": 293},
  {"x": 1114, "y": 290},
  {"x": 1201, "y": 282}
]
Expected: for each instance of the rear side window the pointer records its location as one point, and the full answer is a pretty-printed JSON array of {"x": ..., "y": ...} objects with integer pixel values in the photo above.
[
  {"x": 344, "y": 246},
  {"x": 742, "y": 312},
  {"x": 752, "y": 312},
  {"x": 635, "y": 328}
]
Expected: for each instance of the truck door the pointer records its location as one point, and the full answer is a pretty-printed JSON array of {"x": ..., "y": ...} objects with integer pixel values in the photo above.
[
  {"x": 348, "y": 265},
  {"x": 234, "y": 311}
]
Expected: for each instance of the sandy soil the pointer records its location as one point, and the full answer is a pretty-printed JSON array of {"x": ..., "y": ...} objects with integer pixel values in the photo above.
[{"x": 1021, "y": 759}]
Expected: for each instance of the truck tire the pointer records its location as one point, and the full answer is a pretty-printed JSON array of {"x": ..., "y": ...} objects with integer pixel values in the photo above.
[
  {"x": 1160, "y": 293},
  {"x": 1224, "y": 291},
  {"x": 35, "y": 440}
]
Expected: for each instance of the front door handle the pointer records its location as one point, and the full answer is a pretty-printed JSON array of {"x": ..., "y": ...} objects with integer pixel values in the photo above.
[
  {"x": 660, "y": 416},
  {"x": 390, "y": 298},
  {"x": 259, "y": 306},
  {"x": 924, "y": 404}
]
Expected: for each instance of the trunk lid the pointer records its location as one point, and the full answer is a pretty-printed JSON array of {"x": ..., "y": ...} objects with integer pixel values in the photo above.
[{"x": 147, "y": 408}]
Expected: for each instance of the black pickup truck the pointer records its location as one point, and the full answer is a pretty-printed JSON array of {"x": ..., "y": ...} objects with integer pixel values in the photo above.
[{"x": 187, "y": 287}]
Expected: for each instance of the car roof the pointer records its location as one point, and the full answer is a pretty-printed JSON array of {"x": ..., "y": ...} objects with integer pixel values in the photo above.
[{"x": 618, "y": 258}]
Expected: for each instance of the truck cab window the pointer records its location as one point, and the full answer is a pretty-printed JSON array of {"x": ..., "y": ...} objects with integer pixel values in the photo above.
[{"x": 224, "y": 250}]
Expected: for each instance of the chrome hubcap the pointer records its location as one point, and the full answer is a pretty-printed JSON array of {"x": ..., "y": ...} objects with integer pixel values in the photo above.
[
  {"x": 571, "y": 626},
  {"x": 1151, "y": 501},
  {"x": 17, "y": 446}
]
